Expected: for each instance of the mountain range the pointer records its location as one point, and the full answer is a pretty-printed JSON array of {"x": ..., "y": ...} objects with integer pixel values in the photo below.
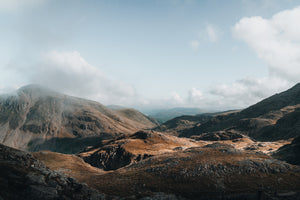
[
  {"x": 274, "y": 118},
  {"x": 55, "y": 146}
]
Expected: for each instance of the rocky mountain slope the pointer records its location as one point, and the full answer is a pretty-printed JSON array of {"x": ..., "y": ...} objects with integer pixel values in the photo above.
[
  {"x": 176, "y": 125},
  {"x": 24, "y": 177},
  {"x": 138, "y": 117},
  {"x": 271, "y": 119},
  {"x": 289, "y": 152},
  {"x": 197, "y": 170},
  {"x": 36, "y": 115},
  {"x": 122, "y": 151},
  {"x": 125, "y": 150}
]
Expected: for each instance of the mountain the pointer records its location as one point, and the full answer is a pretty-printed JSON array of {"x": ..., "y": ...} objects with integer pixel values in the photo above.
[
  {"x": 163, "y": 115},
  {"x": 137, "y": 117},
  {"x": 134, "y": 115},
  {"x": 229, "y": 155},
  {"x": 178, "y": 124},
  {"x": 34, "y": 116},
  {"x": 275, "y": 118}
]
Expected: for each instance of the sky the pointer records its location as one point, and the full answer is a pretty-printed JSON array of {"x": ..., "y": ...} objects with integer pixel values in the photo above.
[{"x": 211, "y": 54}]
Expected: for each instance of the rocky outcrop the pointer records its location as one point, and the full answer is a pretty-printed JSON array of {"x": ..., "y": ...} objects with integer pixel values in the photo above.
[
  {"x": 128, "y": 149},
  {"x": 110, "y": 158},
  {"x": 214, "y": 171},
  {"x": 218, "y": 135},
  {"x": 290, "y": 152},
  {"x": 23, "y": 177}
]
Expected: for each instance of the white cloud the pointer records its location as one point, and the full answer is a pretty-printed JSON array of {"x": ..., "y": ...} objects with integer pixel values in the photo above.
[
  {"x": 176, "y": 98},
  {"x": 16, "y": 5},
  {"x": 276, "y": 41},
  {"x": 69, "y": 72},
  {"x": 247, "y": 91},
  {"x": 195, "y": 44},
  {"x": 212, "y": 33},
  {"x": 194, "y": 96}
]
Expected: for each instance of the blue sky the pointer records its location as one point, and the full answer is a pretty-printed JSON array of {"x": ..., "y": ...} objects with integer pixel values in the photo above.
[{"x": 159, "y": 53}]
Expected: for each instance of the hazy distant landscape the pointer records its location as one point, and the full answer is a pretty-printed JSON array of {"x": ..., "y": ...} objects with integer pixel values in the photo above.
[{"x": 158, "y": 99}]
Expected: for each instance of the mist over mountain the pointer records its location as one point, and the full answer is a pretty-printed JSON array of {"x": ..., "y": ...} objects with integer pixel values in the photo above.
[{"x": 35, "y": 115}]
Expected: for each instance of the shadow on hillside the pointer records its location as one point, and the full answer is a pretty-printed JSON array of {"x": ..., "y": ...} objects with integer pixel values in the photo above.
[{"x": 67, "y": 145}]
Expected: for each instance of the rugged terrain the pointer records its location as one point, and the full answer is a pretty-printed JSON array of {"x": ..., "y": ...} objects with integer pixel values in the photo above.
[
  {"x": 124, "y": 154},
  {"x": 205, "y": 170},
  {"x": 37, "y": 118},
  {"x": 274, "y": 118},
  {"x": 289, "y": 152},
  {"x": 24, "y": 177}
]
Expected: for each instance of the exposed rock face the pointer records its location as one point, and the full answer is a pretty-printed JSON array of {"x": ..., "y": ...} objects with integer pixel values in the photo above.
[
  {"x": 125, "y": 150},
  {"x": 110, "y": 158},
  {"x": 23, "y": 177},
  {"x": 290, "y": 153},
  {"x": 211, "y": 172},
  {"x": 36, "y": 115},
  {"x": 274, "y": 118},
  {"x": 218, "y": 135},
  {"x": 114, "y": 154}
]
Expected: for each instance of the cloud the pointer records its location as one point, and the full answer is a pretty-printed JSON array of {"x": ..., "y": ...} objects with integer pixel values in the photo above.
[
  {"x": 276, "y": 41},
  {"x": 16, "y": 5},
  {"x": 194, "y": 96},
  {"x": 69, "y": 72},
  {"x": 195, "y": 44},
  {"x": 247, "y": 91},
  {"x": 176, "y": 98},
  {"x": 212, "y": 33}
]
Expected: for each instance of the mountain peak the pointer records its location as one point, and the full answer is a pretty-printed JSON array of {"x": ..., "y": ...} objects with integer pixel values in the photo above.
[{"x": 35, "y": 91}]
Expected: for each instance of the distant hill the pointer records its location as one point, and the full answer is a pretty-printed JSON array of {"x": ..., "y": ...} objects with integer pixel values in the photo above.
[
  {"x": 178, "y": 124},
  {"x": 137, "y": 116},
  {"x": 163, "y": 115},
  {"x": 277, "y": 117},
  {"x": 35, "y": 116}
]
